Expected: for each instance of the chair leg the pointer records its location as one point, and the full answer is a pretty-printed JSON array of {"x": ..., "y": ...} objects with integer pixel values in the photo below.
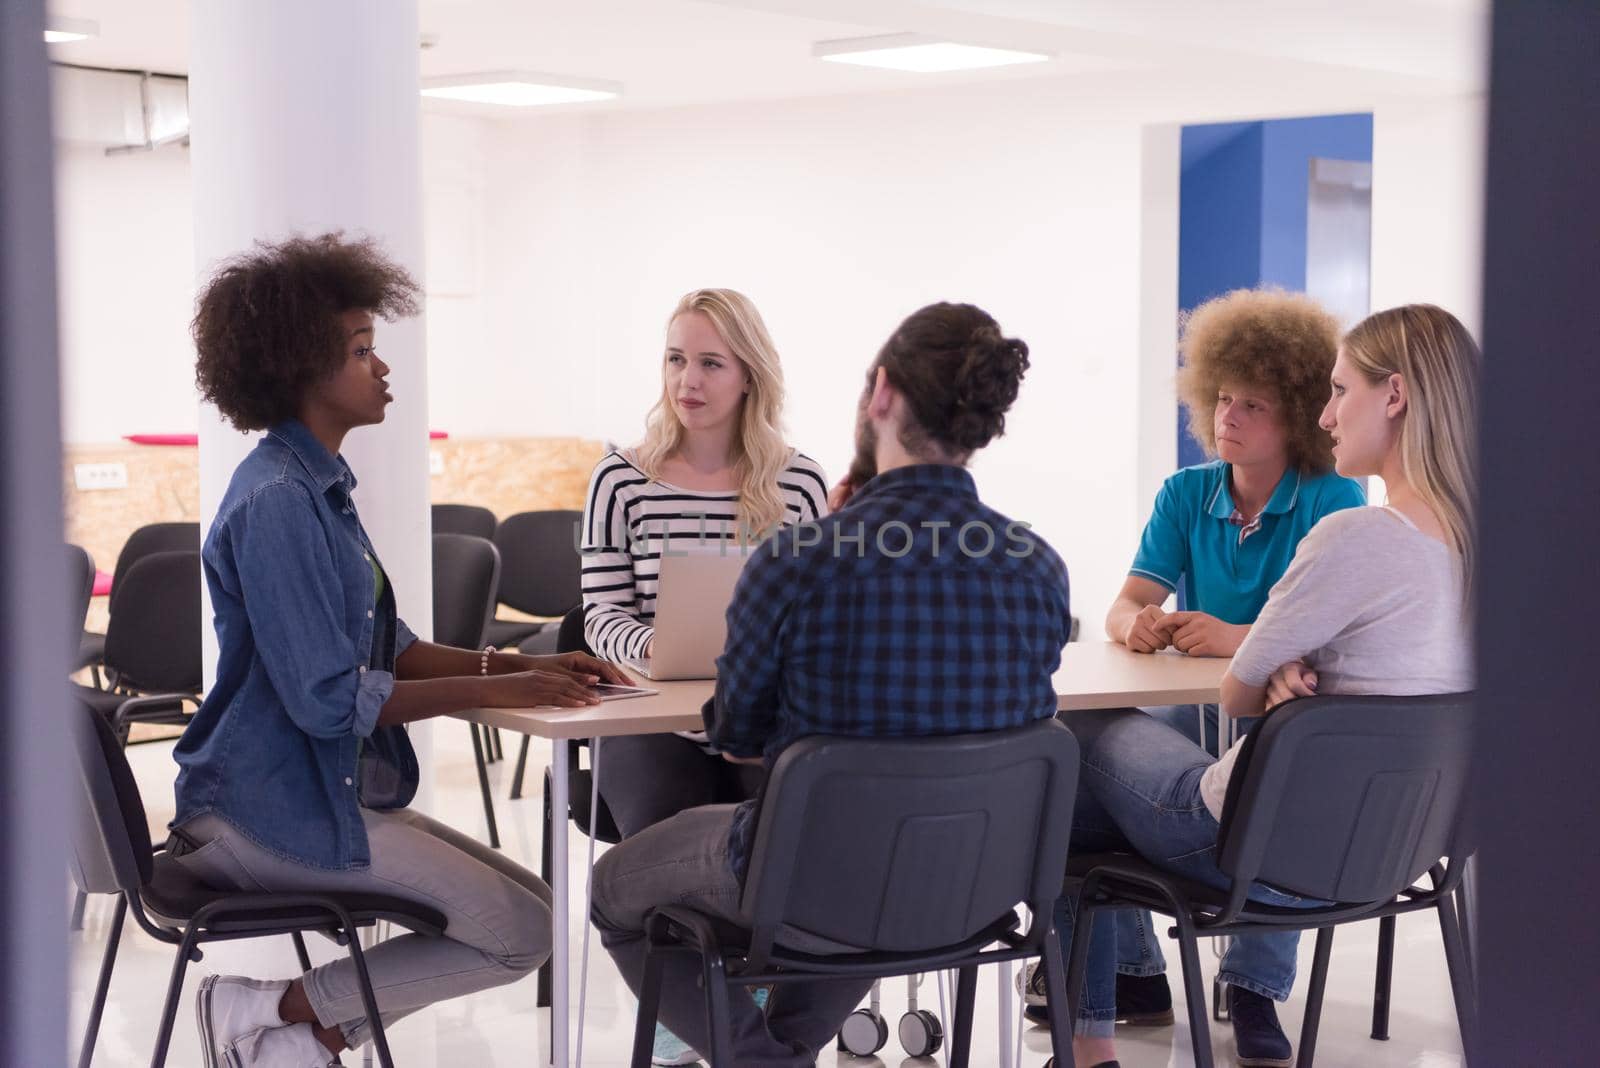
[
  {"x": 1078, "y": 963},
  {"x": 961, "y": 1026},
  {"x": 644, "y": 1026},
  {"x": 369, "y": 1000},
  {"x": 1319, "y": 985},
  {"x": 542, "y": 993},
  {"x": 300, "y": 951},
  {"x": 1057, "y": 1004},
  {"x": 483, "y": 787},
  {"x": 522, "y": 766},
  {"x": 96, "y": 1008},
  {"x": 1462, "y": 986},
  {"x": 717, "y": 1019},
  {"x": 1193, "y": 990},
  {"x": 169, "y": 1011},
  {"x": 1383, "y": 981},
  {"x": 78, "y": 904},
  {"x": 494, "y": 738}
]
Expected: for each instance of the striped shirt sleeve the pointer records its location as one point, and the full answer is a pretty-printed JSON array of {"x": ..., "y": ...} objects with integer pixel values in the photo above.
[
  {"x": 803, "y": 480},
  {"x": 611, "y": 623}
]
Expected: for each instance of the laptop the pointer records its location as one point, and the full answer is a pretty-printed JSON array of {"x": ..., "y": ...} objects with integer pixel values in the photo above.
[{"x": 692, "y": 599}]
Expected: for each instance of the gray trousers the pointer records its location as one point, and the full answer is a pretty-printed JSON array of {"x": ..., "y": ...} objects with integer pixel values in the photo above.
[
  {"x": 648, "y": 777},
  {"x": 497, "y": 913},
  {"x": 684, "y": 860}
]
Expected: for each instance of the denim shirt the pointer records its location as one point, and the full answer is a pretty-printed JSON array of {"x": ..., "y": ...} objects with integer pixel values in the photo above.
[{"x": 306, "y": 661}]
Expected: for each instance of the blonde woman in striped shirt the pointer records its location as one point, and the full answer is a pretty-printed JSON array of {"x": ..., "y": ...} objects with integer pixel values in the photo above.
[{"x": 713, "y": 466}]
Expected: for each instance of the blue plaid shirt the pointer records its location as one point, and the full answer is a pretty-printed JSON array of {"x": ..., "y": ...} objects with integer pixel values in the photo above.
[{"x": 914, "y": 610}]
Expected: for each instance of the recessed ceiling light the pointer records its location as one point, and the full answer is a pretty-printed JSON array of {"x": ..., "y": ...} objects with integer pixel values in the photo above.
[
  {"x": 918, "y": 52},
  {"x": 58, "y": 30},
  {"x": 519, "y": 89}
]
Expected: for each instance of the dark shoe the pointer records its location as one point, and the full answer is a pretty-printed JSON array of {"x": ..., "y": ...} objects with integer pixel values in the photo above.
[
  {"x": 1143, "y": 1000},
  {"x": 1260, "y": 1042}
]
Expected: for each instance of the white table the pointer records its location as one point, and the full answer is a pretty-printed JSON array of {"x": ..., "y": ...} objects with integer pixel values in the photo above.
[{"x": 1092, "y": 675}]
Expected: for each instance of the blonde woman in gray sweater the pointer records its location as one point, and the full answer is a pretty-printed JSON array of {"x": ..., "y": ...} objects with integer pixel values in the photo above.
[{"x": 1376, "y": 601}]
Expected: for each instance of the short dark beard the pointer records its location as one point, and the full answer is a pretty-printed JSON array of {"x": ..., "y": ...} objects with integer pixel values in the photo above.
[{"x": 865, "y": 464}]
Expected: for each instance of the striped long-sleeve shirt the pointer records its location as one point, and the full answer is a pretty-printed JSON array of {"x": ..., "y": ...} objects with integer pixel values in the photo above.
[{"x": 627, "y": 520}]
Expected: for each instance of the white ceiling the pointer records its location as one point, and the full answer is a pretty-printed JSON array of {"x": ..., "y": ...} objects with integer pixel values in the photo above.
[{"x": 1183, "y": 57}]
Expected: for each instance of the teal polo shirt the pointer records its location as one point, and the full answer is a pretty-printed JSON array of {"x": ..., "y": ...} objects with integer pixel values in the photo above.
[{"x": 1190, "y": 539}]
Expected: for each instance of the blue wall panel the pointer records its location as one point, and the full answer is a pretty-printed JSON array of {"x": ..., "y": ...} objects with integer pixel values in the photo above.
[{"x": 1242, "y": 208}]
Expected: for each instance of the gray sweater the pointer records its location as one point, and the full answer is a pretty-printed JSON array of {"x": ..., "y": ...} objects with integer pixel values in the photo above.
[{"x": 1373, "y": 605}]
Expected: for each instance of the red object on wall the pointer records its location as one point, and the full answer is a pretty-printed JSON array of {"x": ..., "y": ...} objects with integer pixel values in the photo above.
[
  {"x": 162, "y": 439},
  {"x": 102, "y": 582}
]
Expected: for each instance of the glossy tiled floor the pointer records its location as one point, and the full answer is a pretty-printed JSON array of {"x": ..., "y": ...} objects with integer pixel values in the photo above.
[{"x": 502, "y": 1028}]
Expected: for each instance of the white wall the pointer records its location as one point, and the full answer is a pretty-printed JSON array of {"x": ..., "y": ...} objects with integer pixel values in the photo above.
[
  {"x": 557, "y": 245},
  {"x": 125, "y": 247},
  {"x": 1427, "y": 205},
  {"x": 839, "y": 218}
]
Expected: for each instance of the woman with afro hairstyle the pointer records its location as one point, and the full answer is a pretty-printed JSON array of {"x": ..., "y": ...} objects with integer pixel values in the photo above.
[
  {"x": 1253, "y": 382},
  {"x": 296, "y": 772}
]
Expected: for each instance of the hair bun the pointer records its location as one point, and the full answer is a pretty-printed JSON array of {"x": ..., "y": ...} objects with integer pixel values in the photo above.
[{"x": 987, "y": 382}]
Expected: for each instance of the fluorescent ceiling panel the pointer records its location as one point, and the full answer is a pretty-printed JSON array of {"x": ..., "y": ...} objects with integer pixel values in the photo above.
[
  {"x": 919, "y": 53},
  {"x": 519, "y": 89}
]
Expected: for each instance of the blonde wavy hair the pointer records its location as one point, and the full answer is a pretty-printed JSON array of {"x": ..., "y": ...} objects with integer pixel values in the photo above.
[
  {"x": 1439, "y": 362},
  {"x": 1267, "y": 339},
  {"x": 760, "y": 452}
]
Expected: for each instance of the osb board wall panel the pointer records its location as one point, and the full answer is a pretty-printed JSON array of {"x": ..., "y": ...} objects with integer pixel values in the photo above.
[{"x": 505, "y": 475}]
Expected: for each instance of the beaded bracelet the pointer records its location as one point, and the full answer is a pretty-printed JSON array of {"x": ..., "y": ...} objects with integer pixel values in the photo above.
[{"x": 483, "y": 661}]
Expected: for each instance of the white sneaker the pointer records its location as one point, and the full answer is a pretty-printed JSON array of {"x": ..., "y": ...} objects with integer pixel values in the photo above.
[
  {"x": 228, "y": 1007},
  {"x": 1030, "y": 984},
  {"x": 287, "y": 1046}
]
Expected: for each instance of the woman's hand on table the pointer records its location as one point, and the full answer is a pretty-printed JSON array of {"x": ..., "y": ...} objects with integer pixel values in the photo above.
[
  {"x": 1197, "y": 634},
  {"x": 1294, "y": 679},
  {"x": 530, "y": 689},
  {"x": 581, "y": 666}
]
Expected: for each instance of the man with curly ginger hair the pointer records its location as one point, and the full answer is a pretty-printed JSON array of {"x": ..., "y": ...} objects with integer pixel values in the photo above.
[
  {"x": 296, "y": 773},
  {"x": 1254, "y": 380}
]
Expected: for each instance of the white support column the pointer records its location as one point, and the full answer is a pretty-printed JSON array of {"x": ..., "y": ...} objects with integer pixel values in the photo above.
[{"x": 305, "y": 119}]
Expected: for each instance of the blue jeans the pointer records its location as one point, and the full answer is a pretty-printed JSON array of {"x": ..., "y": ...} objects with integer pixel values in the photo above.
[
  {"x": 1264, "y": 963},
  {"x": 1139, "y": 790}
]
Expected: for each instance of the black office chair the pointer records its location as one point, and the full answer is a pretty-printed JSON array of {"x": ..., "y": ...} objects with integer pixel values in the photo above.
[
  {"x": 152, "y": 645},
  {"x": 466, "y": 571},
  {"x": 464, "y": 519},
  {"x": 152, "y": 538},
  {"x": 917, "y": 851},
  {"x": 598, "y": 824},
  {"x": 112, "y": 854},
  {"x": 1343, "y": 799},
  {"x": 80, "y": 591},
  {"x": 540, "y": 574}
]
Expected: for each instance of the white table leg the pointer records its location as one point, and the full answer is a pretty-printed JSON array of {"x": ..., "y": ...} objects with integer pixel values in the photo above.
[
  {"x": 1004, "y": 971},
  {"x": 560, "y": 970}
]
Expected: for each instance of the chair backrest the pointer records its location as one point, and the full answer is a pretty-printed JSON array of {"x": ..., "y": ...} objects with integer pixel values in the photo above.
[
  {"x": 540, "y": 567},
  {"x": 570, "y": 639},
  {"x": 466, "y": 570},
  {"x": 110, "y": 834},
  {"x": 80, "y": 579},
  {"x": 153, "y": 639},
  {"x": 152, "y": 538},
  {"x": 464, "y": 519},
  {"x": 910, "y": 844},
  {"x": 1348, "y": 799}
]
